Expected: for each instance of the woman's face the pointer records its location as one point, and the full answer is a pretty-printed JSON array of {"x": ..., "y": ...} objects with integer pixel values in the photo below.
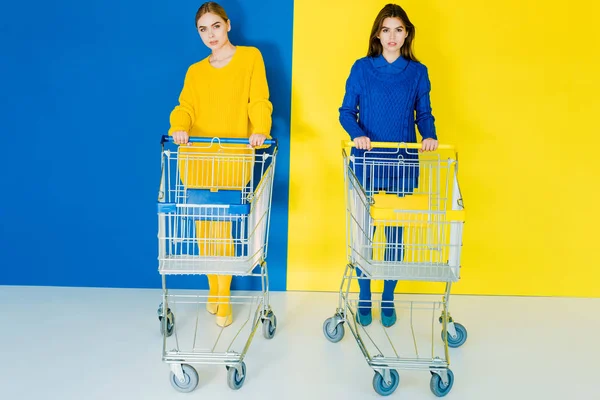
[
  {"x": 392, "y": 35},
  {"x": 213, "y": 30}
]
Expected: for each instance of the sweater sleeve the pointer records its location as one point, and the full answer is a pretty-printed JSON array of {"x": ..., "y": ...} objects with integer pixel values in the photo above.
[
  {"x": 350, "y": 105},
  {"x": 183, "y": 116},
  {"x": 259, "y": 106},
  {"x": 424, "y": 117}
]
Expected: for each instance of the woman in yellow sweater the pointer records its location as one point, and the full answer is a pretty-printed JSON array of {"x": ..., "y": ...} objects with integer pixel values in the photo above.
[{"x": 225, "y": 95}]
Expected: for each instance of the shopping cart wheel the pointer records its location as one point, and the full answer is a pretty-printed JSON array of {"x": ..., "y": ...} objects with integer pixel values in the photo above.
[
  {"x": 438, "y": 387},
  {"x": 269, "y": 327},
  {"x": 233, "y": 377},
  {"x": 190, "y": 379},
  {"x": 333, "y": 333},
  {"x": 384, "y": 388},
  {"x": 461, "y": 336},
  {"x": 170, "y": 323}
]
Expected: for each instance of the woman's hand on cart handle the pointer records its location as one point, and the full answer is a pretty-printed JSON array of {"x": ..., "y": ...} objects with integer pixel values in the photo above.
[
  {"x": 400, "y": 145},
  {"x": 362, "y": 143},
  {"x": 257, "y": 139},
  {"x": 181, "y": 137},
  {"x": 429, "y": 145}
]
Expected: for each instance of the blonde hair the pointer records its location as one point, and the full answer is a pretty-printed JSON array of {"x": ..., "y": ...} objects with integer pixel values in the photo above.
[{"x": 213, "y": 8}]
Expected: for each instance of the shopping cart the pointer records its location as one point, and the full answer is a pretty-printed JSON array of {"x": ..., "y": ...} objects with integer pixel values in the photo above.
[
  {"x": 213, "y": 218},
  {"x": 414, "y": 198}
]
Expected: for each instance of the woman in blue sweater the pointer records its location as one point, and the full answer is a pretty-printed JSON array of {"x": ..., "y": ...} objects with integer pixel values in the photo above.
[{"x": 387, "y": 94}]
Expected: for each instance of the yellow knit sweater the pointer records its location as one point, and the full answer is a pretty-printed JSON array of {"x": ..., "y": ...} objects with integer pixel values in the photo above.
[{"x": 230, "y": 102}]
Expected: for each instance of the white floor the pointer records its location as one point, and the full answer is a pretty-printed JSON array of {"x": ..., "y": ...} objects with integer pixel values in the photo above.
[{"x": 76, "y": 343}]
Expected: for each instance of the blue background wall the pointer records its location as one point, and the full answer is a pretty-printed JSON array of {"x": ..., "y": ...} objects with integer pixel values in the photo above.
[{"x": 87, "y": 88}]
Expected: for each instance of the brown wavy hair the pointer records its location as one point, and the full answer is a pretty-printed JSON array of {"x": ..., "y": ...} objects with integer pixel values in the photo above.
[{"x": 392, "y": 11}]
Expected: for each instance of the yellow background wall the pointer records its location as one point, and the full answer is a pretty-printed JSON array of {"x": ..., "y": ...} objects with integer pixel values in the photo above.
[{"x": 515, "y": 86}]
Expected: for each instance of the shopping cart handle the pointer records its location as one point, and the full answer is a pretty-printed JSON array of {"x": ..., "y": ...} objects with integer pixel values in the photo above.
[
  {"x": 194, "y": 139},
  {"x": 397, "y": 145}
]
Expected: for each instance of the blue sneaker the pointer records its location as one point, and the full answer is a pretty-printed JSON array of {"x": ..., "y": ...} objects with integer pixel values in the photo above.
[
  {"x": 388, "y": 319},
  {"x": 364, "y": 319}
]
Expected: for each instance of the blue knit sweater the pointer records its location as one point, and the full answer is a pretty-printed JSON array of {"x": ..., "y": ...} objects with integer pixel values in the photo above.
[
  {"x": 384, "y": 101},
  {"x": 381, "y": 100}
]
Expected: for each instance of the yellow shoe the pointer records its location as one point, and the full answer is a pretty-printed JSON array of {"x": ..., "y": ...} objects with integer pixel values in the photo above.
[
  {"x": 224, "y": 315},
  {"x": 212, "y": 304},
  {"x": 212, "y": 307}
]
